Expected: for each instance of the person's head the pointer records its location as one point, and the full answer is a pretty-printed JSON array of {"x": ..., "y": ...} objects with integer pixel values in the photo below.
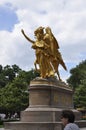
[
  {"x": 67, "y": 116},
  {"x": 39, "y": 32}
]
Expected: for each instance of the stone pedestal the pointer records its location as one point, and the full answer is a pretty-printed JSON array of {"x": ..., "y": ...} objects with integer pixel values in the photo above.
[
  {"x": 50, "y": 93},
  {"x": 47, "y": 98}
]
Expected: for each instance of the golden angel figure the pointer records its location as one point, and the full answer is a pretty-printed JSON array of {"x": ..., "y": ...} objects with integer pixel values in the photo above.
[{"x": 47, "y": 54}]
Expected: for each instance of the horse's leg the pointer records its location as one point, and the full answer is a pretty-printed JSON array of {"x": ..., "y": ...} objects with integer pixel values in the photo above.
[
  {"x": 58, "y": 75},
  {"x": 58, "y": 72},
  {"x": 35, "y": 64}
]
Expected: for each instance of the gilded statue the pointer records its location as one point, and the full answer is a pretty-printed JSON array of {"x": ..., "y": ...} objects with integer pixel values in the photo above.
[{"x": 47, "y": 52}]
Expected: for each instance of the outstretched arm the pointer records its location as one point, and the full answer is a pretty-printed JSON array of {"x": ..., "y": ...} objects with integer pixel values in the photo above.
[{"x": 26, "y": 36}]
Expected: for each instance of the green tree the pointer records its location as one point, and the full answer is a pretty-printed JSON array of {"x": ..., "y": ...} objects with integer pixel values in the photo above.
[
  {"x": 7, "y": 74},
  {"x": 80, "y": 95},
  {"x": 77, "y": 81},
  {"x": 1, "y": 68},
  {"x": 11, "y": 72},
  {"x": 14, "y": 96},
  {"x": 77, "y": 75}
]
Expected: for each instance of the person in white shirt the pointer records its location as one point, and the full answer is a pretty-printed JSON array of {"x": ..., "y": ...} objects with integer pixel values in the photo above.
[{"x": 68, "y": 118}]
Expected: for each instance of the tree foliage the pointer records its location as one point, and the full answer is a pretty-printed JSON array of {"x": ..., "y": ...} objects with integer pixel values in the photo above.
[
  {"x": 80, "y": 95},
  {"x": 77, "y": 75},
  {"x": 14, "y": 97},
  {"x": 7, "y": 74},
  {"x": 78, "y": 82},
  {"x": 14, "y": 84}
]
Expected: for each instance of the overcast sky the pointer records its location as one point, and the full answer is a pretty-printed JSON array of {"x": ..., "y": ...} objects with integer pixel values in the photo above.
[{"x": 67, "y": 19}]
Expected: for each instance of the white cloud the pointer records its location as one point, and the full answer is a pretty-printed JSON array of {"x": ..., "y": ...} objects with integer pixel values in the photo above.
[{"x": 66, "y": 19}]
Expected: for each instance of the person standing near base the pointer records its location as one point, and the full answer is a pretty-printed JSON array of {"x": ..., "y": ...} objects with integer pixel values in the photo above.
[{"x": 68, "y": 118}]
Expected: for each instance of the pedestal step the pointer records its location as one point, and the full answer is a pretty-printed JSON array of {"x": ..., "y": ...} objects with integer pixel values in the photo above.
[
  {"x": 45, "y": 115},
  {"x": 33, "y": 126},
  {"x": 38, "y": 125}
]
